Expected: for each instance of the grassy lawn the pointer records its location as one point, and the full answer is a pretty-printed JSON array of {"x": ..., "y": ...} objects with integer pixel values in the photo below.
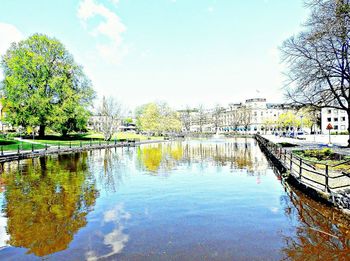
[
  {"x": 90, "y": 138},
  {"x": 123, "y": 135},
  {"x": 12, "y": 145},
  {"x": 325, "y": 156}
]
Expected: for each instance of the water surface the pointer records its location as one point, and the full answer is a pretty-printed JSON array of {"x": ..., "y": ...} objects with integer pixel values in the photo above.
[{"x": 190, "y": 200}]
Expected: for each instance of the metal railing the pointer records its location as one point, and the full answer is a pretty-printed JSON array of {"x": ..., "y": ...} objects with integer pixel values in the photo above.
[
  {"x": 59, "y": 146},
  {"x": 320, "y": 176}
]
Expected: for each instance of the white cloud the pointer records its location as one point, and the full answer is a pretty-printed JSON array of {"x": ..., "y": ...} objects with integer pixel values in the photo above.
[
  {"x": 110, "y": 27},
  {"x": 116, "y": 239},
  {"x": 115, "y": 2},
  {"x": 9, "y": 34}
]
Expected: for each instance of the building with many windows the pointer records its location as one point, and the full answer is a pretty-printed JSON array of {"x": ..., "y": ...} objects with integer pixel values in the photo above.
[
  {"x": 337, "y": 118},
  {"x": 251, "y": 115}
]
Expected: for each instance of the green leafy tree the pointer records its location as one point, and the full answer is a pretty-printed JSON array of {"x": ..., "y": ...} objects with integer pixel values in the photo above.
[
  {"x": 43, "y": 86},
  {"x": 149, "y": 117},
  {"x": 158, "y": 118}
]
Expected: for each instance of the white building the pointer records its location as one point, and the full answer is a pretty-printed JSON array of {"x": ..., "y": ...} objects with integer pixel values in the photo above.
[
  {"x": 255, "y": 113},
  {"x": 337, "y": 118}
]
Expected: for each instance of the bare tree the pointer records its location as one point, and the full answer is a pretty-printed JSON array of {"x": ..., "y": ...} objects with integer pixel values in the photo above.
[
  {"x": 216, "y": 114},
  {"x": 318, "y": 58},
  {"x": 234, "y": 119},
  {"x": 202, "y": 117},
  {"x": 186, "y": 118},
  {"x": 110, "y": 113},
  {"x": 245, "y": 116}
]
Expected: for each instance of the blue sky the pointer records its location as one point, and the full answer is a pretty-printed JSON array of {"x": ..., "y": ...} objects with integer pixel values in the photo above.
[{"x": 182, "y": 52}]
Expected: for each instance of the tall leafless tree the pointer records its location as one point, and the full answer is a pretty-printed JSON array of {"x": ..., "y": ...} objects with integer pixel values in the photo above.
[
  {"x": 318, "y": 58},
  {"x": 234, "y": 119},
  {"x": 202, "y": 117},
  {"x": 216, "y": 116},
  {"x": 186, "y": 118},
  {"x": 245, "y": 116},
  {"x": 110, "y": 113}
]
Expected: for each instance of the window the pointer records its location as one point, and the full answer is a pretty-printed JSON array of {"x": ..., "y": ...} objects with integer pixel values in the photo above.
[
  {"x": 329, "y": 119},
  {"x": 342, "y": 127},
  {"x": 336, "y": 127},
  {"x": 335, "y": 119},
  {"x": 342, "y": 118},
  {"x": 329, "y": 111}
]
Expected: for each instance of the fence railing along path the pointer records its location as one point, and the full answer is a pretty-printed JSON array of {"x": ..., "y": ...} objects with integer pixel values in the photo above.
[
  {"x": 319, "y": 176},
  {"x": 52, "y": 147}
]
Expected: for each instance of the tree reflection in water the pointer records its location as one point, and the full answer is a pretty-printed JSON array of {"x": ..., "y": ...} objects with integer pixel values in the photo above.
[
  {"x": 114, "y": 165},
  {"x": 241, "y": 154},
  {"x": 322, "y": 232},
  {"x": 46, "y": 201}
]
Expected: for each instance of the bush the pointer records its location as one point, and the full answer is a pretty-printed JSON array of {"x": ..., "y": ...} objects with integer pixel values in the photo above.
[{"x": 339, "y": 133}]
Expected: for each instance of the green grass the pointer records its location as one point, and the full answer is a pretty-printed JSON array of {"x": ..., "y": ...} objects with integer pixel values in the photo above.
[
  {"x": 123, "y": 135},
  {"x": 73, "y": 140},
  {"x": 325, "y": 156},
  {"x": 76, "y": 140},
  {"x": 12, "y": 145}
]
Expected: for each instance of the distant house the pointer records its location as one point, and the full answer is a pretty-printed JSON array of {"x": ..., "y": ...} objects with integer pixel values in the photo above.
[{"x": 95, "y": 123}]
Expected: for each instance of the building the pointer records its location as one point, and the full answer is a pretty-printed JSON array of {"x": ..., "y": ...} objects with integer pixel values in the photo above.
[
  {"x": 252, "y": 116},
  {"x": 337, "y": 118},
  {"x": 249, "y": 116}
]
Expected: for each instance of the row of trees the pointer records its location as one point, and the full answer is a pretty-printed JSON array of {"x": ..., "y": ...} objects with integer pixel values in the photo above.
[
  {"x": 44, "y": 87},
  {"x": 201, "y": 116},
  {"x": 291, "y": 120}
]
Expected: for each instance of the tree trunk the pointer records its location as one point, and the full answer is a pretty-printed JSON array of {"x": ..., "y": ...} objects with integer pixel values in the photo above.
[
  {"x": 64, "y": 133},
  {"x": 348, "y": 112},
  {"x": 42, "y": 131}
]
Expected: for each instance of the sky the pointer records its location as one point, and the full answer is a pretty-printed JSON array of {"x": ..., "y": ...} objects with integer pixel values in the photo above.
[{"x": 183, "y": 52}]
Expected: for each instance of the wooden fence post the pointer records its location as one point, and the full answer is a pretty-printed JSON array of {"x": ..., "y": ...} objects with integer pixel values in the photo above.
[
  {"x": 291, "y": 163},
  {"x": 300, "y": 168},
  {"x": 326, "y": 179}
]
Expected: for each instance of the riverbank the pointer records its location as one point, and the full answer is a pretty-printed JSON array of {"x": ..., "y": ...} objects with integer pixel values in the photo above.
[
  {"x": 6, "y": 156},
  {"x": 325, "y": 184}
]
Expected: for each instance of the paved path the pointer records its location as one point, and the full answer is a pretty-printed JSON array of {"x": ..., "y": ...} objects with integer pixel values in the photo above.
[{"x": 315, "y": 142}]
